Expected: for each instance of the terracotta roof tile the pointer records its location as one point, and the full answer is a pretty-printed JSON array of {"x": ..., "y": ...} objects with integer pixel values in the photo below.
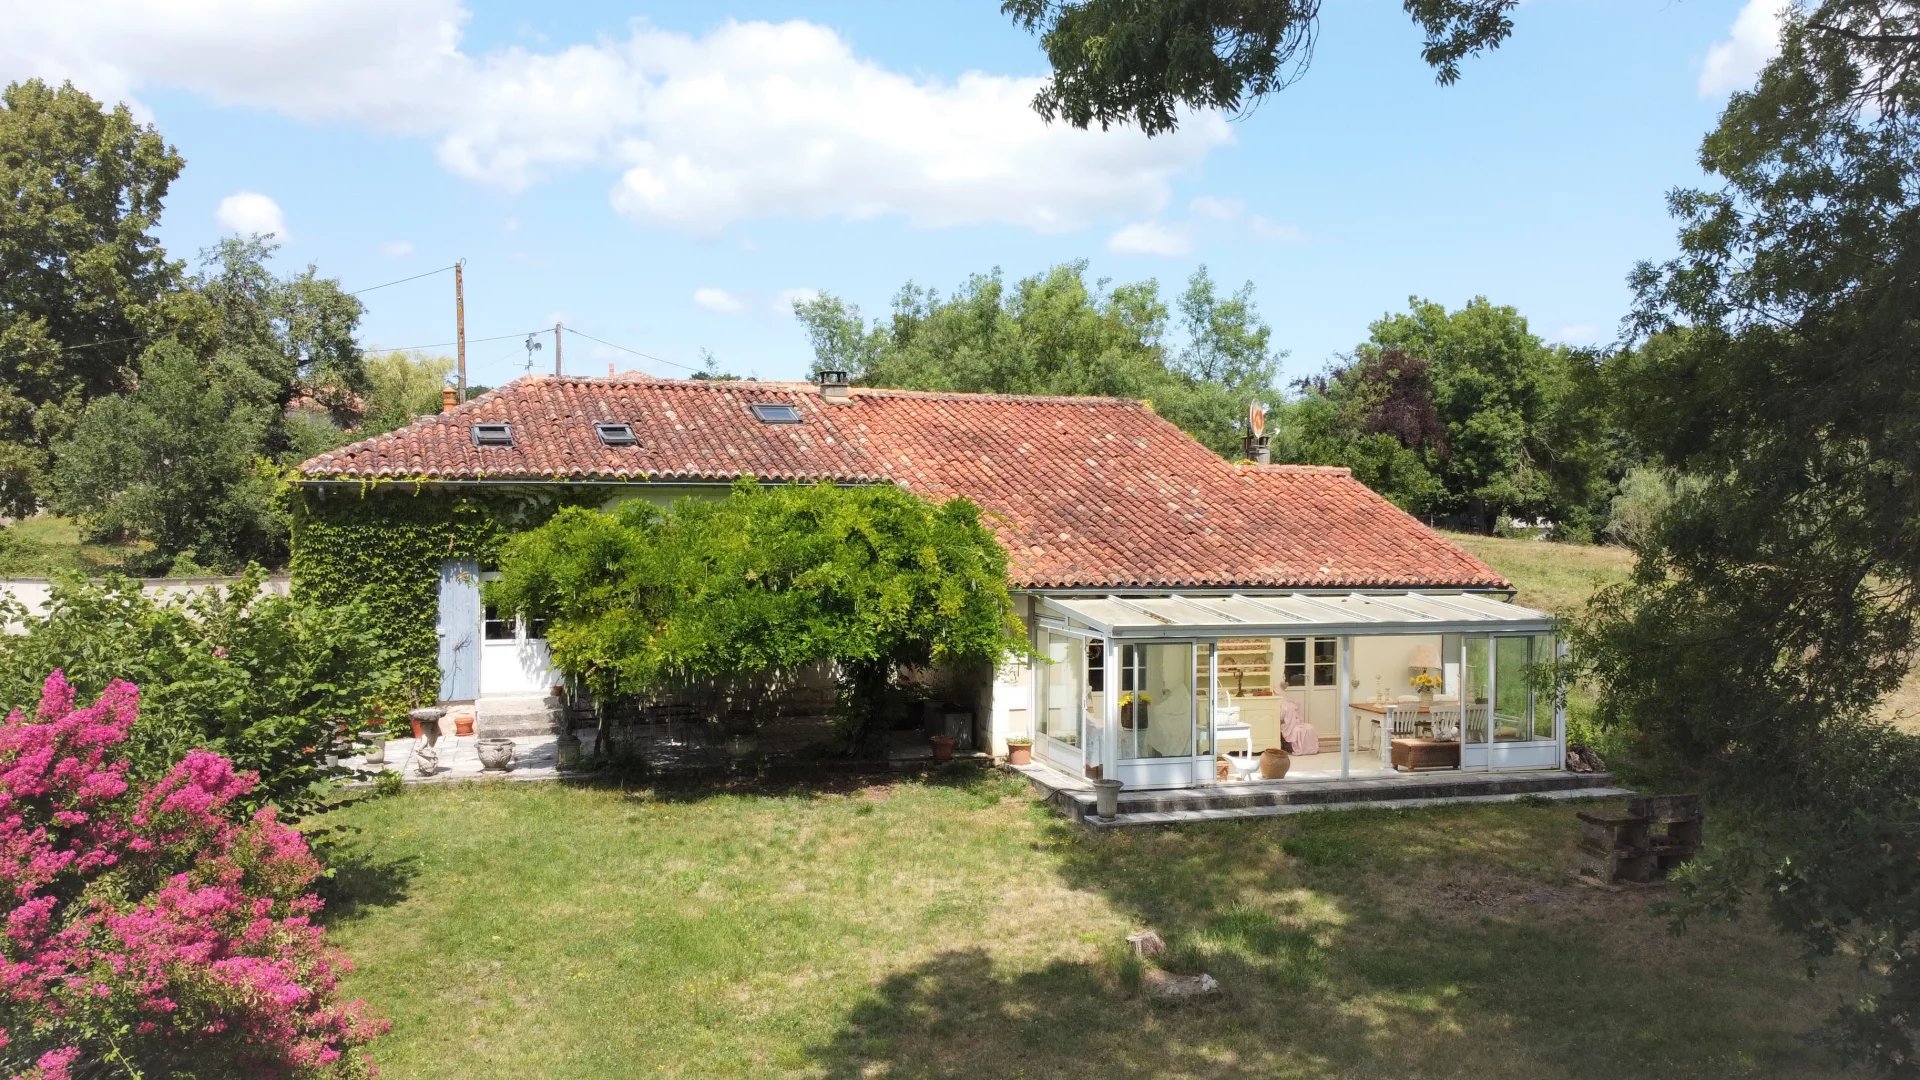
[{"x": 1083, "y": 492}]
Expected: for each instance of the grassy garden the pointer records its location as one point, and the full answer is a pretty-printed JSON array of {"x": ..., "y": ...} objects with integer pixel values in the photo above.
[{"x": 953, "y": 928}]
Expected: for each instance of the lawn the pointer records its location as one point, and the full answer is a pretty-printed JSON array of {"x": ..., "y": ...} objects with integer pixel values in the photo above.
[
  {"x": 44, "y": 545},
  {"x": 956, "y": 929}
]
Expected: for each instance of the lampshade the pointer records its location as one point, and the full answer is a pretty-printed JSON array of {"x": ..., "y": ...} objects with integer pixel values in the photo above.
[{"x": 1425, "y": 656}]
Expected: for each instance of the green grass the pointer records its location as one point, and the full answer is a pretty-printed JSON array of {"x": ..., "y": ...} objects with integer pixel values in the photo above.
[
  {"x": 44, "y": 545},
  {"x": 924, "y": 930},
  {"x": 1550, "y": 576}
]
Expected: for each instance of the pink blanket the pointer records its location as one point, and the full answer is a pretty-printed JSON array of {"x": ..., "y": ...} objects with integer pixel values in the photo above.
[{"x": 1300, "y": 736}]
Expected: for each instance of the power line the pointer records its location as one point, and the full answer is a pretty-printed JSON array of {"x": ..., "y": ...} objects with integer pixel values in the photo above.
[
  {"x": 401, "y": 281},
  {"x": 636, "y": 352},
  {"x": 470, "y": 341}
]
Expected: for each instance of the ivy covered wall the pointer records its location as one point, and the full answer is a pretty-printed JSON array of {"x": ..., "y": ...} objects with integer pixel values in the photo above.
[{"x": 382, "y": 544}]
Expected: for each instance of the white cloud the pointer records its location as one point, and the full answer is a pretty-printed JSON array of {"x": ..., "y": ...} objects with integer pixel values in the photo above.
[
  {"x": 511, "y": 225},
  {"x": 750, "y": 120},
  {"x": 397, "y": 248},
  {"x": 784, "y": 300},
  {"x": 717, "y": 300},
  {"x": 1151, "y": 238},
  {"x": 249, "y": 212},
  {"x": 1755, "y": 39}
]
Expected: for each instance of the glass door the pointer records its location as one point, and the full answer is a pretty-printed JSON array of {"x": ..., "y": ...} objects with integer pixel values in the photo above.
[
  {"x": 1061, "y": 702},
  {"x": 1157, "y": 711}
]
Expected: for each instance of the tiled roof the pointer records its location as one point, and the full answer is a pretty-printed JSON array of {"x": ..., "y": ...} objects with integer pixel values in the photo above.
[{"x": 1083, "y": 492}]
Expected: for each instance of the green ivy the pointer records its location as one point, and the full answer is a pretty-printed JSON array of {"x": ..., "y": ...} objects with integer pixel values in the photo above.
[{"x": 382, "y": 544}]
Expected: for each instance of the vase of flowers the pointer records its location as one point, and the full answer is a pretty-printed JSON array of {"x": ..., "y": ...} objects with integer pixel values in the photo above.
[
  {"x": 1424, "y": 684},
  {"x": 1133, "y": 710}
]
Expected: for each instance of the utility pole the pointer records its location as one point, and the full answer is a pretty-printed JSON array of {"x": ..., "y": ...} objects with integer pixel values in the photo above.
[
  {"x": 556, "y": 349},
  {"x": 460, "y": 328}
]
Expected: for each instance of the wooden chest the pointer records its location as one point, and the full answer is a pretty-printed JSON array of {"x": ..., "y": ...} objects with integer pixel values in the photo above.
[{"x": 1411, "y": 754}]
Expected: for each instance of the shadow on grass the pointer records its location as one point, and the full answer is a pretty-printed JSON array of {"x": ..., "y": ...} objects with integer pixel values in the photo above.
[
  {"x": 360, "y": 876},
  {"x": 1363, "y": 943},
  {"x": 787, "y": 781}
]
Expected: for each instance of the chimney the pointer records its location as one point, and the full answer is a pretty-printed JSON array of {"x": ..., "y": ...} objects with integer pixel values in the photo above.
[
  {"x": 448, "y": 399},
  {"x": 1257, "y": 448},
  {"x": 833, "y": 386}
]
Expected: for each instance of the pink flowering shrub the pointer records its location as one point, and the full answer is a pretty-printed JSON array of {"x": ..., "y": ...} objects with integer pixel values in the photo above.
[{"x": 156, "y": 928}]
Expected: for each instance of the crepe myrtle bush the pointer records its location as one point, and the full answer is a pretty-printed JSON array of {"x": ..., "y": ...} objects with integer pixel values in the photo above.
[
  {"x": 156, "y": 929},
  {"x": 738, "y": 595}
]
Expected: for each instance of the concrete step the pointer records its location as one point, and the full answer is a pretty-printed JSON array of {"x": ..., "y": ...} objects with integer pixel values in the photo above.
[
  {"x": 1384, "y": 789},
  {"x": 1244, "y": 813},
  {"x": 521, "y": 714}
]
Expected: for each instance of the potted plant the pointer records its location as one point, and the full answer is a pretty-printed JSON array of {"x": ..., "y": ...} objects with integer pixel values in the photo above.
[
  {"x": 1425, "y": 683},
  {"x": 1019, "y": 750},
  {"x": 1133, "y": 710},
  {"x": 942, "y": 747}
]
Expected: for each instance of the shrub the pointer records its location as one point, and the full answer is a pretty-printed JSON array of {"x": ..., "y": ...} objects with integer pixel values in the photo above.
[
  {"x": 156, "y": 928},
  {"x": 269, "y": 682}
]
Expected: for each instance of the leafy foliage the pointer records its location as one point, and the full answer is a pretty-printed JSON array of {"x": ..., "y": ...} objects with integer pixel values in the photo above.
[
  {"x": 1125, "y": 62},
  {"x": 153, "y": 927},
  {"x": 400, "y": 387},
  {"x": 183, "y": 460},
  {"x": 81, "y": 275},
  {"x": 269, "y": 682},
  {"x": 1774, "y": 605},
  {"x": 1465, "y": 414},
  {"x": 754, "y": 588},
  {"x": 1055, "y": 333}
]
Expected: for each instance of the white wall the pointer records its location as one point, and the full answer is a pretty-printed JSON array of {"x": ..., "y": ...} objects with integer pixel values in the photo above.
[
  {"x": 1008, "y": 699},
  {"x": 35, "y": 592}
]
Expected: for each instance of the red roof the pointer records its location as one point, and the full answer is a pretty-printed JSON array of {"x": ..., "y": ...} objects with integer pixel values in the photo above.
[{"x": 1083, "y": 492}]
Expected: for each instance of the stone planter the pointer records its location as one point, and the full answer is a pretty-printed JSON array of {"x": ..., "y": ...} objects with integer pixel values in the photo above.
[
  {"x": 1106, "y": 798},
  {"x": 566, "y": 750},
  {"x": 496, "y": 754},
  {"x": 376, "y": 750},
  {"x": 426, "y": 723}
]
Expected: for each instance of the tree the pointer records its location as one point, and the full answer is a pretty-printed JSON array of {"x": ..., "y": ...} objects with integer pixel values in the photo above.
[
  {"x": 185, "y": 458},
  {"x": 402, "y": 386},
  {"x": 81, "y": 274},
  {"x": 1468, "y": 414},
  {"x": 1774, "y": 606},
  {"x": 1126, "y": 62},
  {"x": 1056, "y": 333},
  {"x": 739, "y": 595}
]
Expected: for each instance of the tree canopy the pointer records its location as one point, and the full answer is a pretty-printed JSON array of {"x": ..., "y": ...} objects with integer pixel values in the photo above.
[
  {"x": 402, "y": 386},
  {"x": 1465, "y": 414},
  {"x": 1058, "y": 333},
  {"x": 1775, "y": 598},
  {"x": 1127, "y": 62},
  {"x": 81, "y": 274}
]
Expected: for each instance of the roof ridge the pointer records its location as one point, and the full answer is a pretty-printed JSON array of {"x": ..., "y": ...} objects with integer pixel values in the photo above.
[{"x": 798, "y": 385}]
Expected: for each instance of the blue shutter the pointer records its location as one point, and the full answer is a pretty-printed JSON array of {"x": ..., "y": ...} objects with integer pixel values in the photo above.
[{"x": 459, "y": 630}]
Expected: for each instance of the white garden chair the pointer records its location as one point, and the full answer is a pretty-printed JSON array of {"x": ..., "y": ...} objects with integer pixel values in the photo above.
[
  {"x": 1226, "y": 721},
  {"x": 1399, "y": 723},
  {"x": 1476, "y": 719},
  {"x": 1445, "y": 722}
]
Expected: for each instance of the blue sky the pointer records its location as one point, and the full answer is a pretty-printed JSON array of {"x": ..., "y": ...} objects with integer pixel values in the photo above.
[{"x": 667, "y": 176}]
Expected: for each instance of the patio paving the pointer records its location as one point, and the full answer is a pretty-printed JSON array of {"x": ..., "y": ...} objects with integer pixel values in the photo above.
[{"x": 535, "y": 758}]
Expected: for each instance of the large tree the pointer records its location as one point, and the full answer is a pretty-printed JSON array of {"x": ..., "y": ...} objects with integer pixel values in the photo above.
[
  {"x": 1466, "y": 414},
  {"x": 1139, "y": 61},
  {"x": 183, "y": 459},
  {"x": 402, "y": 386},
  {"x": 81, "y": 275},
  {"x": 1058, "y": 333},
  {"x": 1775, "y": 599}
]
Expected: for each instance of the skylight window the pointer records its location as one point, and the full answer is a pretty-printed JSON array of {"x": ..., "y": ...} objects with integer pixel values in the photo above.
[
  {"x": 493, "y": 434},
  {"x": 613, "y": 434},
  {"x": 776, "y": 413}
]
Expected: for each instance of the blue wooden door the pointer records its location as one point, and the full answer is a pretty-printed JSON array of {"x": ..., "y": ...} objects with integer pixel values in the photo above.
[{"x": 459, "y": 630}]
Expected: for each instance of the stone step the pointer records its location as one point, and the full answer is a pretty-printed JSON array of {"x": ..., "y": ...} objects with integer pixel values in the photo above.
[
  {"x": 1382, "y": 789},
  {"x": 1243, "y": 813},
  {"x": 520, "y": 714}
]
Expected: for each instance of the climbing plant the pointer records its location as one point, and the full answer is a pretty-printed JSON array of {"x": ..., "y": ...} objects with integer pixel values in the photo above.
[
  {"x": 743, "y": 593},
  {"x": 382, "y": 544}
]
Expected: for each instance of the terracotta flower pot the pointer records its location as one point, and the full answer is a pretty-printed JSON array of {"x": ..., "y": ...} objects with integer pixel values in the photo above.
[
  {"x": 414, "y": 722},
  {"x": 942, "y": 747},
  {"x": 1019, "y": 753},
  {"x": 1274, "y": 763},
  {"x": 463, "y": 724}
]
